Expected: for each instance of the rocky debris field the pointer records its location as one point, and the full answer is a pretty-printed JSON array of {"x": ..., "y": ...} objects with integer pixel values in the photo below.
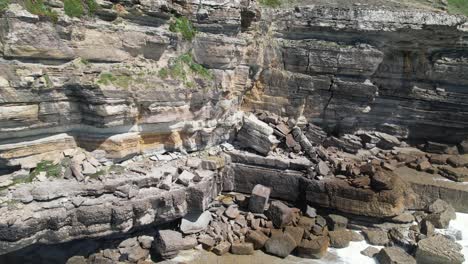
[{"x": 269, "y": 177}]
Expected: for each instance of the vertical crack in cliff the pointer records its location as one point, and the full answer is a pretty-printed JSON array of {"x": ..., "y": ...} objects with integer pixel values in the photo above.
[{"x": 330, "y": 89}]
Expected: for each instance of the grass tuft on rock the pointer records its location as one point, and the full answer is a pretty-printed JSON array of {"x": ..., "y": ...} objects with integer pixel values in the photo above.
[
  {"x": 183, "y": 26},
  {"x": 73, "y": 8},
  {"x": 107, "y": 78},
  {"x": 182, "y": 67},
  {"x": 4, "y": 5},
  {"x": 38, "y": 7}
]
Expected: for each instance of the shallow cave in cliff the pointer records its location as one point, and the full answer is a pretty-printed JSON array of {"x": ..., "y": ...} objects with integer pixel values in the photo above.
[{"x": 264, "y": 131}]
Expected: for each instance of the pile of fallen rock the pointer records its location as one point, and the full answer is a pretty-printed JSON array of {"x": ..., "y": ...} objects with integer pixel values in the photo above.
[{"x": 240, "y": 225}]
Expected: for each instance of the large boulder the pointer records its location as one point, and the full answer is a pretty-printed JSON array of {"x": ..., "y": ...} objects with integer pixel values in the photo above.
[
  {"x": 195, "y": 222},
  {"x": 339, "y": 195},
  {"x": 441, "y": 214},
  {"x": 168, "y": 243},
  {"x": 340, "y": 238},
  {"x": 376, "y": 237},
  {"x": 439, "y": 250},
  {"x": 315, "y": 249},
  {"x": 394, "y": 255},
  {"x": 280, "y": 244},
  {"x": 257, "y": 238},
  {"x": 280, "y": 214},
  {"x": 337, "y": 222},
  {"x": 257, "y": 135}
]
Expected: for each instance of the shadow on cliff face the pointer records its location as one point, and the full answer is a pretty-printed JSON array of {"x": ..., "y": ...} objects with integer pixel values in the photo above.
[{"x": 60, "y": 253}]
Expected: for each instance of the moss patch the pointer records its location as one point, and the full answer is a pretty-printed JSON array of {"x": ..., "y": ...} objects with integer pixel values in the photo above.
[
  {"x": 458, "y": 7},
  {"x": 271, "y": 3},
  {"x": 51, "y": 169},
  {"x": 183, "y": 26},
  {"x": 122, "y": 81},
  {"x": 38, "y": 7}
]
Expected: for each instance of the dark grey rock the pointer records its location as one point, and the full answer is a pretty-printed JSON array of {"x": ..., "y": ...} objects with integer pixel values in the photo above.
[{"x": 259, "y": 198}]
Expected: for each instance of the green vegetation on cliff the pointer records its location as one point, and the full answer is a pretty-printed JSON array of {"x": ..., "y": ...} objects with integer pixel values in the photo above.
[
  {"x": 183, "y": 26},
  {"x": 78, "y": 8},
  {"x": 270, "y": 3},
  {"x": 4, "y": 4},
  {"x": 458, "y": 7},
  {"x": 182, "y": 67},
  {"x": 38, "y": 7}
]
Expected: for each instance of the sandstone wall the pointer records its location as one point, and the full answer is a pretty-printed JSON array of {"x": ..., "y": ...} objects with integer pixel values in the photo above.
[{"x": 343, "y": 68}]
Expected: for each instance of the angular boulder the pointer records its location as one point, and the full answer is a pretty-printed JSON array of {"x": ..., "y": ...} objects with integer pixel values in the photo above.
[
  {"x": 315, "y": 249},
  {"x": 257, "y": 135},
  {"x": 336, "y": 222},
  {"x": 439, "y": 250},
  {"x": 281, "y": 245},
  {"x": 376, "y": 237},
  {"x": 259, "y": 198},
  {"x": 394, "y": 255},
  {"x": 168, "y": 243},
  {"x": 239, "y": 248},
  {"x": 280, "y": 214},
  {"x": 194, "y": 223}
]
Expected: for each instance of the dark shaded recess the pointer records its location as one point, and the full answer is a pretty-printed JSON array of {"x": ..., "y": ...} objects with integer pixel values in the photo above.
[{"x": 60, "y": 253}]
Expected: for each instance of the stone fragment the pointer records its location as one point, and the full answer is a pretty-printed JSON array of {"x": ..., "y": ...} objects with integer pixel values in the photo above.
[
  {"x": 207, "y": 242},
  {"x": 168, "y": 243},
  {"x": 322, "y": 168},
  {"x": 339, "y": 238},
  {"x": 403, "y": 218},
  {"x": 424, "y": 165},
  {"x": 239, "y": 248},
  {"x": 382, "y": 180},
  {"x": 280, "y": 214},
  {"x": 232, "y": 211},
  {"x": 194, "y": 223},
  {"x": 439, "y": 250},
  {"x": 280, "y": 244},
  {"x": 310, "y": 212},
  {"x": 306, "y": 222},
  {"x": 387, "y": 141},
  {"x": 337, "y": 222},
  {"x": 442, "y": 220},
  {"x": 193, "y": 163},
  {"x": 454, "y": 174},
  {"x": 457, "y": 161},
  {"x": 376, "y": 237},
  {"x": 185, "y": 178},
  {"x": 427, "y": 228},
  {"x": 295, "y": 232},
  {"x": 394, "y": 255},
  {"x": 77, "y": 260},
  {"x": 212, "y": 163},
  {"x": 438, "y": 159},
  {"x": 440, "y": 148},
  {"x": 259, "y": 198},
  {"x": 257, "y": 238},
  {"x": 370, "y": 252},
  {"x": 464, "y": 146},
  {"x": 222, "y": 248},
  {"x": 438, "y": 206},
  {"x": 315, "y": 249},
  {"x": 403, "y": 238},
  {"x": 145, "y": 241},
  {"x": 257, "y": 135},
  {"x": 166, "y": 183}
]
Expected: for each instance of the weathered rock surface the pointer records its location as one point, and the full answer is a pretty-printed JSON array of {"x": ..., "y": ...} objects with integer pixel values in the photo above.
[
  {"x": 394, "y": 255},
  {"x": 438, "y": 249}
]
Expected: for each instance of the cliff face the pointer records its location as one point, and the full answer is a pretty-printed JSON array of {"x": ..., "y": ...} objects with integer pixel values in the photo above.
[{"x": 98, "y": 83}]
